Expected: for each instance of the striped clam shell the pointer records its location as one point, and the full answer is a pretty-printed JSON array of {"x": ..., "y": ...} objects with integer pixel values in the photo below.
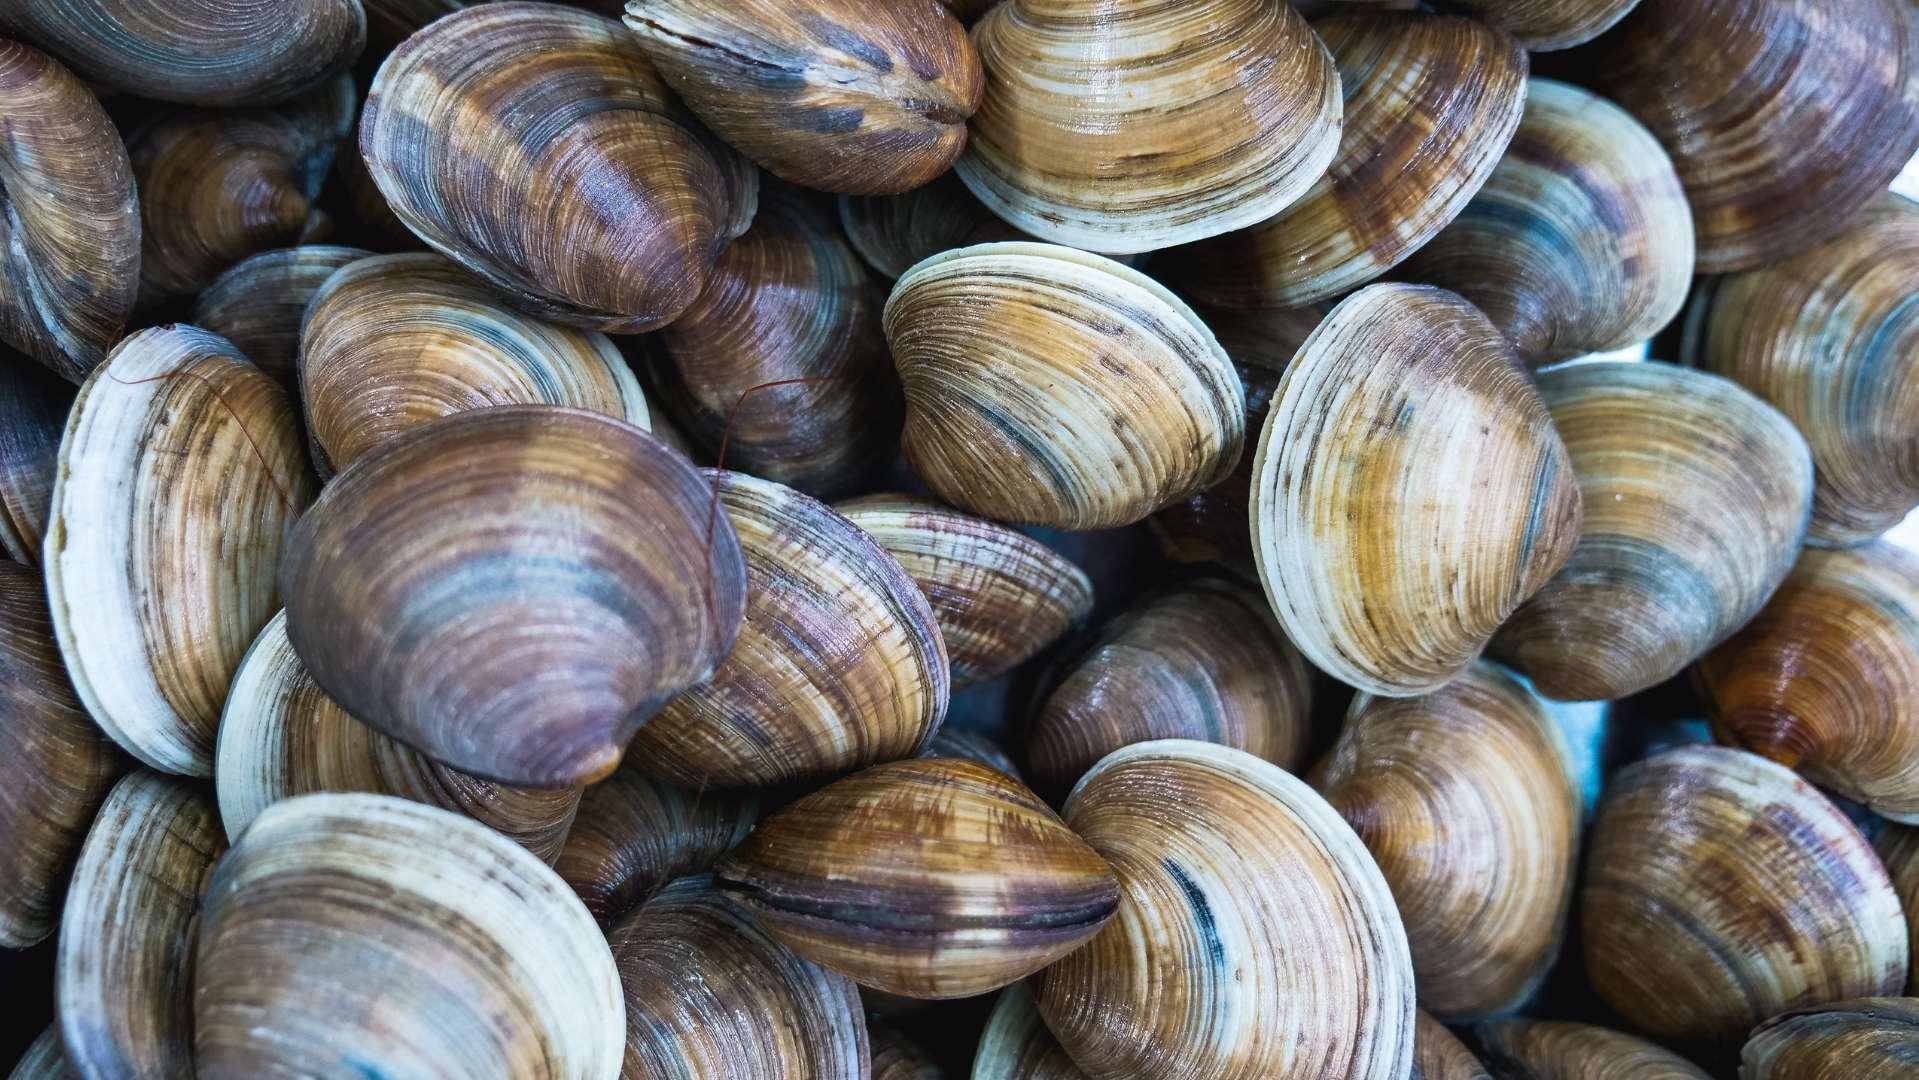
[
  {"x": 33, "y": 413},
  {"x": 259, "y": 302},
  {"x": 1898, "y": 848},
  {"x": 896, "y": 1057},
  {"x": 1016, "y": 1044},
  {"x": 634, "y": 835},
  {"x": 1558, "y": 1050},
  {"x": 1863, "y": 1037},
  {"x": 1439, "y": 1055},
  {"x": 1546, "y": 25}
]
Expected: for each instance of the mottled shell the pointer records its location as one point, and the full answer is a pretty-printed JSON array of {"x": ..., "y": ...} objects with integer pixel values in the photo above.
[
  {"x": 217, "y": 187},
  {"x": 45, "y": 1059},
  {"x": 1255, "y": 936},
  {"x": 896, "y": 1057},
  {"x": 124, "y": 971},
  {"x": 1831, "y": 338},
  {"x": 1783, "y": 117},
  {"x": 484, "y": 130},
  {"x": 1581, "y": 241},
  {"x": 395, "y": 341},
  {"x": 839, "y": 95},
  {"x": 634, "y": 835},
  {"x": 514, "y": 590},
  {"x": 1000, "y": 596},
  {"x": 1052, "y": 387},
  {"x": 1410, "y": 491},
  {"x": 1130, "y": 125},
  {"x": 375, "y": 936},
  {"x": 70, "y": 266},
  {"x": 931, "y": 878},
  {"x": 55, "y": 764},
  {"x": 894, "y": 232},
  {"x": 1721, "y": 889},
  {"x": 840, "y": 663},
  {"x": 1016, "y": 1044},
  {"x": 1467, "y": 801},
  {"x": 1439, "y": 1055},
  {"x": 1546, "y": 25},
  {"x": 259, "y": 302},
  {"x": 33, "y": 414},
  {"x": 1898, "y": 847},
  {"x": 709, "y": 993},
  {"x": 180, "y": 476},
  {"x": 1867, "y": 1037},
  {"x": 1696, "y": 494},
  {"x": 789, "y": 300},
  {"x": 1202, "y": 661},
  {"x": 952, "y": 742},
  {"x": 1555, "y": 1050},
  {"x": 1431, "y": 101}
]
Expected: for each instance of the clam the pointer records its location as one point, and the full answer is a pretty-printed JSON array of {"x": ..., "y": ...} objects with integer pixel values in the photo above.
[
  {"x": 1131, "y": 125},
  {"x": 839, "y": 664},
  {"x": 281, "y": 736},
  {"x": 789, "y": 302},
  {"x": 124, "y": 970},
  {"x": 71, "y": 262},
  {"x": 33, "y": 413},
  {"x": 180, "y": 476},
  {"x": 1255, "y": 937},
  {"x": 484, "y": 131},
  {"x": 395, "y": 341},
  {"x": 1439, "y": 1055},
  {"x": 1016, "y": 1044},
  {"x": 1556, "y": 1050},
  {"x": 1782, "y": 120},
  {"x": 931, "y": 878},
  {"x": 896, "y": 1057},
  {"x": 838, "y": 95},
  {"x": 634, "y": 835},
  {"x": 1865, "y": 1037},
  {"x": 1580, "y": 241},
  {"x": 57, "y": 764},
  {"x": 1829, "y": 337},
  {"x": 894, "y": 232},
  {"x": 513, "y": 590},
  {"x": 258, "y": 303},
  {"x": 1721, "y": 889},
  {"x": 1430, "y": 103},
  {"x": 1410, "y": 491},
  {"x": 1000, "y": 596},
  {"x": 45, "y": 1059},
  {"x": 375, "y": 936},
  {"x": 1467, "y": 801},
  {"x": 216, "y": 187},
  {"x": 1052, "y": 387},
  {"x": 709, "y": 993},
  {"x": 1696, "y": 495},
  {"x": 952, "y": 742},
  {"x": 1546, "y": 25},
  {"x": 1202, "y": 661},
  {"x": 1898, "y": 847}
]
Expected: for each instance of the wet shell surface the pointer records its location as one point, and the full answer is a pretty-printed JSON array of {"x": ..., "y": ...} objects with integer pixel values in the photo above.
[
  {"x": 33, "y": 415},
  {"x": 1546, "y": 25},
  {"x": 373, "y": 935},
  {"x": 1721, "y": 889},
  {"x": 1255, "y": 936},
  {"x": 1556, "y": 1050},
  {"x": 1439, "y": 1055},
  {"x": 895, "y": 232},
  {"x": 1410, "y": 491},
  {"x": 181, "y": 474},
  {"x": 1696, "y": 496},
  {"x": 258, "y": 304},
  {"x": 634, "y": 835},
  {"x": 1047, "y": 386},
  {"x": 608, "y": 587},
  {"x": 1865, "y": 1037},
  {"x": 1016, "y": 1044}
]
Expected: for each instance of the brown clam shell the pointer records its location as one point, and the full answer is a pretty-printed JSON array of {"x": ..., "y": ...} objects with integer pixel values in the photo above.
[
  {"x": 33, "y": 413},
  {"x": 1016, "y": 1044},
  {"x": 634, "y": 835},
  {"x": 1898, "y": 847},
  {"x": 1557, "y": 1050},
  {"x": 1439, "y": 1055},
  {"x": 895, "y": 232},
  {"x": 896, "y": 1057},
  {"x": 1866, "y": 1037},
  {"x": 1545, "y": 25},
  {"x": 258, "y": 304}
]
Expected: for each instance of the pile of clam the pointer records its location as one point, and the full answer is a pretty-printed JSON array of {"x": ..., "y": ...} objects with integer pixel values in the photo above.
[{"x": 757, "y": 539}]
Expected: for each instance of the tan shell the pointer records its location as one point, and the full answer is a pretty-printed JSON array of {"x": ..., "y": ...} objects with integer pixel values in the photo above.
[
  {"x": 1556, "y": 1050},
  {"x": 71, "y": 261},
  {"x": 1410, "y": 491},
  {"x": 1052, "y": 387},
  {"x": 124, "y": 971},
  {"x": 45, "y": 1059},
  {"x": 1439, "y": 1055},
  {"x": 1241, "y": 889},
  {"x": 1865, "y": 1037},
  {"x": 1696, "y": 494},
  {"x": 1546, "y": 25},
  {"x": 634, "y": 835},
  {"x": 1016, "y": 1044},
  {"x": 895, "y": 232},
  {"x": 1000, "y": 596},
  {"x": 1721, "y": 889},
  {"x": 258, "y": 303},
  {"x": 1128, "y": 125},
  {"x": 1898, "y": 847},
  {"x": 840, "y": 664},
  {"x": 33, "y": 414},
  {"x": 181, "y": 474},
  {"x": 394, "y": 341},
  {"x": 1580, "y": 242},
  {"x": 931, "y": 878},
  {"x": 371, "y": 935},
  {"x": 896, "y": 1057}
]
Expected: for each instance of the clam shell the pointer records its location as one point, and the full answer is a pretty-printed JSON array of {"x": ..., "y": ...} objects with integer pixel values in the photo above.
[
  {"x": 839, "y": 665},
  {"x": 896, "y": 1057},
  {"x": 1439, "y": 1055},
  {"x": 394, "y": 341},
  {"x": 258, "y": 304},
  {"x": 1255, "y": 937},
  {"x": 1865, "y": 1037},
  {"x": 1052, "y": 387},
  {"x": 361, "y": 934},
  {"x": 1898, "y": 847},
  {"x": 1546, "y": 25},
  {"x": 180, "y": 476},
  {"x": 1016, "y": 1044},
  {"x": 1430, "y": 103},
  {"x": 1581, "y": 240},
  {"x": 1410, "y": 491},
  {"x": 513, "y": 590},
  {"x": 1000, "y": 596},
  {"x": 1721, "y": 889},
  {"x": 71, "y": 262},
  {"x": 634, "y": 835},
  {"x": 952, "y": 742},
  {"x": 1131, "y": 125},
  {"x": 931, "y": 878},
  {"x": 1696, "y": 496},
  {"x": 1556, "y": 1050},
  {"x": 125, "y": 970},
  {"x": 33, "y": 413},
  {"x": 45, "y": 1059},
  {"x": 894, "y": 232}
]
